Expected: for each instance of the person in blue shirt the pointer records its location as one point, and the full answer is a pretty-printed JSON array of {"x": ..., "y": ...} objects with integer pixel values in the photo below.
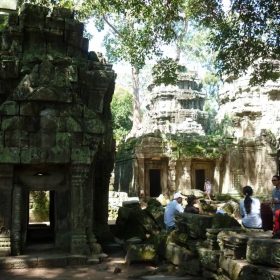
[
  {"x": 171, "y": 208},
  {"x": 276, "y": 193},
  {"x": 250, "y": 209}
]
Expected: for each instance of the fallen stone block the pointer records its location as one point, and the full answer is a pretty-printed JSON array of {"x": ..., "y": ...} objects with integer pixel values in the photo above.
[
  {"x": 178, "y": 255},
  {"x": 263, "y": 251},
  {"x": 140, "y": 252},
  {"x": 209, "y": 258}
]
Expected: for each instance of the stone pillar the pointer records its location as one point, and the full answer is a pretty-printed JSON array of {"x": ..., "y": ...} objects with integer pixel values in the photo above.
[
  {"x": 186, "y": 166},
  {"x": 143, "y": 186},
  {"x": 216, "y": 181},
  {"x": 16, "y": 221},
  {"x": 171, "y": 177},
  {"x": 6, "y": 184},
  {"x": 80, "y": 213}
]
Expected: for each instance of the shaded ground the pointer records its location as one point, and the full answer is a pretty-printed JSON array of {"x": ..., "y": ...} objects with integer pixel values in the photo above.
[{"x": 104, "y": 270}]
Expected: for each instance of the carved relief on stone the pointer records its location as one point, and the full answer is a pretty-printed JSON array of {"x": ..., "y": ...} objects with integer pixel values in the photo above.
[{"x": 79, "y": 180}]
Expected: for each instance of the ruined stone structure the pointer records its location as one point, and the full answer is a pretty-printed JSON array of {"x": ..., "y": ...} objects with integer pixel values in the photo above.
[
  {"x": 156, "y": 164},
  {"x": 56, "y": 129},
  {"x": 177, "y": 109},
  {"x": 250, "y": 116},
  {"x": 174, "y": 152}
]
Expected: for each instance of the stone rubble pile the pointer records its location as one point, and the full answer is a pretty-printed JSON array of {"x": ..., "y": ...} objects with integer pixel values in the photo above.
[{"x": 212, "y": 246}]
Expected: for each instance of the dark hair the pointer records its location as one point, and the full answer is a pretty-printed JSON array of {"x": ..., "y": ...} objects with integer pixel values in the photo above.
[
  {"x": 248, "y": 191},
  {"x": 206, "y": 179},
  {"x": 191, "y": 198},
  {"x": 276, "y": 176}
]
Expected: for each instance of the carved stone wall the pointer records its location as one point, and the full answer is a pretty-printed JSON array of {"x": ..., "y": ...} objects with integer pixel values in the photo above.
[
  {"x": 55, "y": 115},
  {"x": 176, "y": 109},
  {"x": 253, "y": 122}
]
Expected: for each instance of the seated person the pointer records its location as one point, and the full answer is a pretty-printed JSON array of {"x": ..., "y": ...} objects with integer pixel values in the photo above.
[
  {"x": 190, "y": 206},
  {"x": 250, "y": 209},
  {"x": 170, "y": 210}
]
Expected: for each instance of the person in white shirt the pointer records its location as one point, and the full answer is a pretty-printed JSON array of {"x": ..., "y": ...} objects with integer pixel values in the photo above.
[
  {"x": 250, "y": 209},
  {"x": 170, "y": 210}
]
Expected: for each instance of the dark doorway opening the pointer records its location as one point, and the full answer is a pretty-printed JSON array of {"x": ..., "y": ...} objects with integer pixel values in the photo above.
[
  {"x": 199, "y": 179},
  {"x": 40, "y": 227},
  {"x": 155, "y": 186}
]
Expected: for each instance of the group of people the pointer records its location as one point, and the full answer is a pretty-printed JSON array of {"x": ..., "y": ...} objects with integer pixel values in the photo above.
[
  {"x": 176, "y": 206},
  {"x": 250, "y": 207}
]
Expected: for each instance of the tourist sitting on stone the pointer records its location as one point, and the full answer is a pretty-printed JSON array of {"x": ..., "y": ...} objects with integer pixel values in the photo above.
[
  {"x": 190, "y": 206},
  {"x": 250, "y": 209},
  {"x": 170, "y": 210}
]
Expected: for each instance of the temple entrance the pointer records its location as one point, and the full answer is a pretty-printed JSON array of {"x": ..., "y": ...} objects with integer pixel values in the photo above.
[
  {"x": 40, "y": 228},
  {"x": 199, "y": 179},
  {"x": 155, "y": 186}
]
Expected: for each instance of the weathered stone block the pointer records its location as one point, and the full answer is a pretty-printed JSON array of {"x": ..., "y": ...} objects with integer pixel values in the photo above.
[
  {"x": 232, "y": 267},
  {"x": 55, "y": 23},
  {"x": 52, "y": 261},
  {"x": 9, "y": 68},
  {"x": 82, "y": 155},
  {"x": 32, "y": 15},
  {"x": 178, "y": 238},
  {"x": 30, "y": 155},
  {"x": 48, "y": 123},
  {"x": 10, "y": 155},
  {"x": 94, "y": 126},
  {"x": 18, "y": 262},
  {"x": 193, "y": 267},
  {"x": 47, "y": 139},
  {"x": 76, "y": 260},
  {"x": 74, "y": 25},
  {"x": 31, "y": 124},
  {"x": 193, "y": 224},
  {"x": 55, "y": 43},
  {"x": 224, "y": 221},
  {"x": 50, "y": 110},
  {"x": 209, "y": 258},
  {"x": 140, "y": 252},
  {"x": 34, "y": 40},
  {"x": 178, "y": 255},
  {"x": 95, "y": 102},
  {"x": 75, "y": 110},
  {"x": 263, "y": 251},
  {"x": 9, "y": 108},
  {"x": 16, "y": 139},
  {"x": 55, "y": 155},
  {"x": 28, "y": 109},
  {"x": 63, "y": 13}
]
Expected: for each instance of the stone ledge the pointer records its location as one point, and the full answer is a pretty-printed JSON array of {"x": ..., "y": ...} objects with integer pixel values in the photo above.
[{"x": 18, "y": 262}]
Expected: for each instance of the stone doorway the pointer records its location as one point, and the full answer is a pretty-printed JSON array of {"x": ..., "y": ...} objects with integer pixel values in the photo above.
[
  {"x": 199, "y": 179},
  {"x": 155, "y": 182},
  {"x": 40, "y": 217}
]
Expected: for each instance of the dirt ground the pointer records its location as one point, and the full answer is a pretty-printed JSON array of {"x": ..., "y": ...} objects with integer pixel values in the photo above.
[{"x": 104, "y": 270}]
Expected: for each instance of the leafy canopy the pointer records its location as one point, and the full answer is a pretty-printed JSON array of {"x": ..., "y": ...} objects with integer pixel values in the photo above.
[{"x": 246, "y": 36}]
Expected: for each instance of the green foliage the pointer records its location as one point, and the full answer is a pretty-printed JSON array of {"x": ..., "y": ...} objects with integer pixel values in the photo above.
[
  {"x": 165, "y": 72},
  {"x": 122, "y": 111},
  {"x": 195, "y": 146},
  {"x": 40, "y": 205},
  {"x": 246, "y": 36}
]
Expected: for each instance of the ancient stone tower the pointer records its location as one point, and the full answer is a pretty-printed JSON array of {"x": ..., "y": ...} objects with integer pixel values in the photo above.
[{"x": 56, "y": 129}]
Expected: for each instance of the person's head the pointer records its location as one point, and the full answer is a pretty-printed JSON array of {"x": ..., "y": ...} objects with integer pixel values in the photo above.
[
  {"x": 191, "y": 199},
  {"x": 206, "y": 179},
  {"x": 178, "y": 197},
  {"x": 276, "y": 180},
  {"x": 247, "y": 190}
]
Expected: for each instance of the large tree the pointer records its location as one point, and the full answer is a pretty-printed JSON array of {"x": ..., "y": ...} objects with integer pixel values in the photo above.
[{"x": 246, "y": 36}]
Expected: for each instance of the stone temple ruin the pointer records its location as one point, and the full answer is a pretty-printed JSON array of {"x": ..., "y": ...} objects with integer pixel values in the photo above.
[
  {"x": 175, "y": 152},
  {"x": 56, "y": 130}
]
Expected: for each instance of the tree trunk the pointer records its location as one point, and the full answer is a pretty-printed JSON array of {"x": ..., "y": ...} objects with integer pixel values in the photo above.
[{"x": 136, "y": 103}]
